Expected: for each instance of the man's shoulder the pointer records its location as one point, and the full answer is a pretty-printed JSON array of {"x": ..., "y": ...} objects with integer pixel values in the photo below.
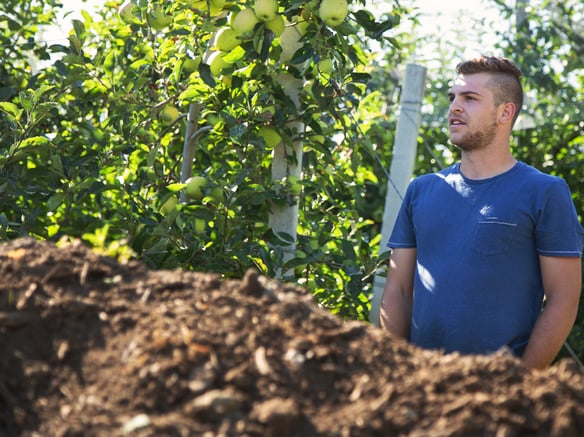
[
  {"x": 530, "y": 174},
  {"x": 436, "y": 176},
  {"x": 523, "y": 175}
]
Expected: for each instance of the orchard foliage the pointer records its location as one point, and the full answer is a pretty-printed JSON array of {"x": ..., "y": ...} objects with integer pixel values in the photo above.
[{"x": 91, "y": 143}]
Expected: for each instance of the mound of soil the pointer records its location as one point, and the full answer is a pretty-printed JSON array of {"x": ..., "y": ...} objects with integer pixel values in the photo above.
[{"x": 92, "y": 347}]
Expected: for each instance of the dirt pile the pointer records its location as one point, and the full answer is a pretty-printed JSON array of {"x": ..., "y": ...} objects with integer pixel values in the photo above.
[{"x": 92, "y": 347}]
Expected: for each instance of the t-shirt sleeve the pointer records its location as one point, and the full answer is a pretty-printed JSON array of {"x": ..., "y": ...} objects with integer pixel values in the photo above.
[
  {"x": 558, "y": 231},
  {"x": 403, "y": 235}
]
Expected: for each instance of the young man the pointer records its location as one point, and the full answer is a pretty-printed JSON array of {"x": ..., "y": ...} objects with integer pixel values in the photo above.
[{"x": 477, "y": 246}]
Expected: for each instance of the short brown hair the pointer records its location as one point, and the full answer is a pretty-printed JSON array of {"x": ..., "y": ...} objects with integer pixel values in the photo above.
[{"x": 505, "y": 83}]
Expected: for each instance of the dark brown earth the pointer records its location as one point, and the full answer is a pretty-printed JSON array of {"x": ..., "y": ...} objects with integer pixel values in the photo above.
[{"x": 91, "y": 347}]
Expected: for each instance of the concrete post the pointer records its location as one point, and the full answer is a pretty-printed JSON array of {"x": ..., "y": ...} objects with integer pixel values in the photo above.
[{"x": 402, "y": 166}]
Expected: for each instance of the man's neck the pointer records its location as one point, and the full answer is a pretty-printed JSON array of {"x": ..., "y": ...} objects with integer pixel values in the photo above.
[{"x": 481, "y": 165}]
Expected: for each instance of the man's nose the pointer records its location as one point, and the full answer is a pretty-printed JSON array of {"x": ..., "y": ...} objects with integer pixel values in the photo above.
[{"x": 455, "y": 106}]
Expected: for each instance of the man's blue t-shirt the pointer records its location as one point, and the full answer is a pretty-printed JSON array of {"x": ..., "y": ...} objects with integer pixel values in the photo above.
[{"x": 478, "y": 283}]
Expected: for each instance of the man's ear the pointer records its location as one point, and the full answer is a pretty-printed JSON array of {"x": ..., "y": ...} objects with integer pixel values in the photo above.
[{"x": 507, "y": 112}]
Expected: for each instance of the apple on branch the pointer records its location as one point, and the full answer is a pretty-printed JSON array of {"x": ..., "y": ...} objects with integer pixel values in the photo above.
[
  {"x": 266, "y": 10},
  {"x": 226, "y": 39},
  {"x": 217, "y": 194},
  {"x": 169, "y": 205},
  {"x": 200, "y": 5},
  {"x": 191, "y": 64},
  {"x": 200, "y": 226},
  {"x": 194, "y": 187},
  {"x": 213, "y": 8},
  {"x": 244, "y": 22},
  {"x": 325, "y": 66},
  {"x": 217, "y": 6},
  {"x": 169, "y": 114},
  {"x": 217, "y": 64},
  {"x": 333, "y": 12},
  {"x": 129, "y": 12},
  {"x": 276, "y": 25},
  {"x": 270, "y": 135},
  {"x": 157, "y": 18}
]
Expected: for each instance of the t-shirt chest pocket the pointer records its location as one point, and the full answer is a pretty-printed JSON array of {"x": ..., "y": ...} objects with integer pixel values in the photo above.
[{"x": 493, "y": 236}]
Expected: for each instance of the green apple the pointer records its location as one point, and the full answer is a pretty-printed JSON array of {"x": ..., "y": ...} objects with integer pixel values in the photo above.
[
  {"x": 157, "y": 18},
  {"x": 194, "y": 187},
  {"x": 217, "y": 64},
  {"x": 307, "y": 10},
  {"x": 168, "y": 115},
  {"x": 317, "y": 139},
  {"x": 276, "y": 25},
  {"x": 325, "y": 65},
  {"x": 265, "y": 10},
  {"x": 201, "y": 5},
  {"x": 333, "y": 12},
  {"x": 226, "y": 39},
  {"x": 200, "y": 226},
  {"x": 270, "y": 135},
  {"x": 244, "y": 22},
  {"x": 217, "y": 194},
  {"x": 191, "y": 64},
  {"x": 218, "y": 4},
  {"x": 169, "y": 205},
  {"x": 216, "y": 7},
  {"x": 231, "y": 17},
  {"x": 129, "y": 12},
  {"x": 302, "y": 26}
]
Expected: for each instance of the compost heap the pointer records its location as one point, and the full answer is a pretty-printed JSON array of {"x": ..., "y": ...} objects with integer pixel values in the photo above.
[{"x": 93, "y": 347}]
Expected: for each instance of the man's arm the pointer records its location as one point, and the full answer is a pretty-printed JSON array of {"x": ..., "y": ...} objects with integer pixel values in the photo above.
[
  {"x": 562, "y": 282},
  {"x": 395, "y": 311}
]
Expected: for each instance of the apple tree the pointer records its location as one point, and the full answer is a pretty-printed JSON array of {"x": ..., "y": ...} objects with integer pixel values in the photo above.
[
  {"x": 154, "y": 130},
  {"x": 28, "y": 171}
]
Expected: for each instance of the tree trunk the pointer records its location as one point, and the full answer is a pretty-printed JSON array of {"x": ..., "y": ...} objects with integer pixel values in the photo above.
[{"x": 286, "y": 162}]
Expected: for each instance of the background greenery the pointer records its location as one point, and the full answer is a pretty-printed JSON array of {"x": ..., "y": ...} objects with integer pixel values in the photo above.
[{"x": 83, "y": 153}]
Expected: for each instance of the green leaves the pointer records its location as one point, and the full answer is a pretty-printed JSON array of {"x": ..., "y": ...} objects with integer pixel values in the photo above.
[
  {"x": 374, "y": 29},
  {"x": 13, "y": 112},
  {"x": 83, "y": 152}
]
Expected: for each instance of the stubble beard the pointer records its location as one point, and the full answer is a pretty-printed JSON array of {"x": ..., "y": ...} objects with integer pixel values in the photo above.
[{"x": 478, "y": 139}]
